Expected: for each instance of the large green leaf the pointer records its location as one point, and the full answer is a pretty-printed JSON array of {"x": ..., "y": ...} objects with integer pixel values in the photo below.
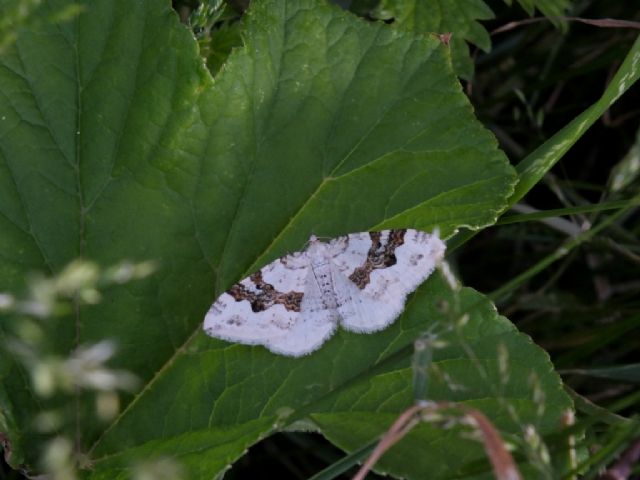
[{"x": 115, "y": 143}]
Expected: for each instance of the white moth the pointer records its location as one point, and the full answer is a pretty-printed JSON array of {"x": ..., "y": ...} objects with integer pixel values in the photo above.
[{"x": 295, "y": 303}]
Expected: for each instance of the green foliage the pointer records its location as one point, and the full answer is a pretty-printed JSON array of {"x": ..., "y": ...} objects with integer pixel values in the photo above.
[
  {"x": 115, "y": 142},
  {"x": 218, "y": 31},
  {"x": 459, "y": 17},
  {"x": 30, "y": 326}
]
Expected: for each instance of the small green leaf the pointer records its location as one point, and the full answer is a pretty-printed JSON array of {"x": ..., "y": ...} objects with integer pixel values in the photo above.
[{"x": 459, "y": 17}]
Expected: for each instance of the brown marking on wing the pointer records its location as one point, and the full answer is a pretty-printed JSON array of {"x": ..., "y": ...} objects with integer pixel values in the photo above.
[
  {"x": 266, "y": 296},
  {"x": 379, "y": 256}
]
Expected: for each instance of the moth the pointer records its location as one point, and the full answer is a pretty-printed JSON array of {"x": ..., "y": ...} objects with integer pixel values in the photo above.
[{"x": 359, "y": 281}]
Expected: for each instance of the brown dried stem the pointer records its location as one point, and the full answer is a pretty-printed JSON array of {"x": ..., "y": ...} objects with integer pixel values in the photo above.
[
  {"x": 597, "y": 22},
  {"x": 504, "y": 468}
]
